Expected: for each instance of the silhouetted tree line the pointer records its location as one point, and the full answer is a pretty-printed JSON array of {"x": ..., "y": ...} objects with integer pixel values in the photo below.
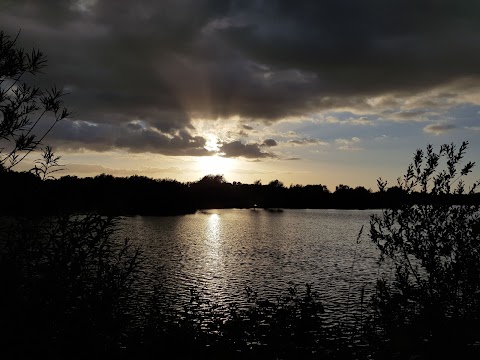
[{"x": 140, "y": 195}]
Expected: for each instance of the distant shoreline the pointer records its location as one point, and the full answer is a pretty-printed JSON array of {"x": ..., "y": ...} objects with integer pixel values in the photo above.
[{"x": 137, "y": 195}]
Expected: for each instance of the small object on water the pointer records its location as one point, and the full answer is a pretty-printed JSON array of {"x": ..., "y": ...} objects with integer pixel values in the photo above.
[{"x": 275, "y": 210}]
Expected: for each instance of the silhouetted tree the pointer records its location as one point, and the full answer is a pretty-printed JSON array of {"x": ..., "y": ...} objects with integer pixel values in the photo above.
[
  {"x": 276, "y": 184},
  {"x": 342, "y": 187},
  {"x": 212, "y": 180}
]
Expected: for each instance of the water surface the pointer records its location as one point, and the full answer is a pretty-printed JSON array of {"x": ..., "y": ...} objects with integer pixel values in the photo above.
[{"x": 220, "y": 252}]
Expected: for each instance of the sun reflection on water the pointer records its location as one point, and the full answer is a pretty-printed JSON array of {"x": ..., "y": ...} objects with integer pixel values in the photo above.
[
  {"x": 213, "y": 232},
  {"x": 213, "y": 264}
]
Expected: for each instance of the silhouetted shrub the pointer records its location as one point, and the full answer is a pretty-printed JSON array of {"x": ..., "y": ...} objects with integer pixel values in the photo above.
[
  {"x": 67, "y": 286},
  {"x": 66, "y": 282},
  {"x": 23, "y": 105},
  {"x": 432, "y": 305}
]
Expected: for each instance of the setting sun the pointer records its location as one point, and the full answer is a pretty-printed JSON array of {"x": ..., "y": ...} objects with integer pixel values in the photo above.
[{"x": 214, "y": 165}]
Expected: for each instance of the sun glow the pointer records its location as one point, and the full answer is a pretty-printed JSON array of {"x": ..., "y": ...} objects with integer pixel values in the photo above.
[
  {"x": 212, "y": 143},
  {"x": 214, "y": 165}
]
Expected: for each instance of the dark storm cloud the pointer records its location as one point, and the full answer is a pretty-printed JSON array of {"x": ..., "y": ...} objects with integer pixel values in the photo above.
[
  {"x": 164, "y": 62},
  {"x": 238, "y": 149},
  {"x": 364, "y": 46}
]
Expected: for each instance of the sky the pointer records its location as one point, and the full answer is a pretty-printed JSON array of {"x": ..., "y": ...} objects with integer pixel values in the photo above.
[{"x": 307, "y": 92}]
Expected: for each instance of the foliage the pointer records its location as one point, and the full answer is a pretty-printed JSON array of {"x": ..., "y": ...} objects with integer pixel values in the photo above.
[
  {"x": 22, "y": 105},
  {"x": 434, "y": 248},
  {"x": 275, "y": 184},
  {"x": 212, "y": 180},
  {"x": 47, "y": 164},
  {"x": 67, "y": 284}
]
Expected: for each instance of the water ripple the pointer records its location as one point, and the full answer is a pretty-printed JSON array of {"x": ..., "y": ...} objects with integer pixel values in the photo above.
[{"x": 222, "y": 252}]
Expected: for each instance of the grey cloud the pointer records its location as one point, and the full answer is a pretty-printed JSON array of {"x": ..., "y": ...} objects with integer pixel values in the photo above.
[
  {"x": 239, "y": 149},
  {"x": 438, "y": 129},
  {"x": 245, "y": 129},
  {"x": 363, "y": 121},
  {"x": 349, "y": 144},
  {"x": 418, "y": 115},
  {"x": 439, "y": 101},
  {"x": 75, "y": 135},
  {"x": 360, "y": 121},
  {"x": 269, "y": 143},
  {"x": 135, "y": 126},
  {"x": 306, "y": 141}
]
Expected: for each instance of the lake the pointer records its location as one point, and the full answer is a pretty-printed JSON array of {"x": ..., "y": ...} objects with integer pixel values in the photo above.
[{"x": 220, "y": 252}]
